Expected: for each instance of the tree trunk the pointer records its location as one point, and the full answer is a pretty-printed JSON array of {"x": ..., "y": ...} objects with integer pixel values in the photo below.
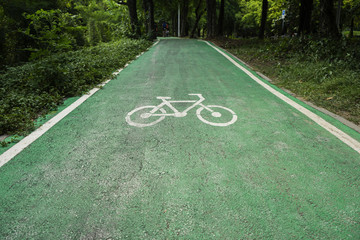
[
  {"x": 148, "y": 6},
  {"x": 265, "y": 6},
  {"x": 174, "y": 23},
  {"x": 152, "y": 27},
  {"x": 351, "y": 33},
  {"x": 220, "y": 30},
  {"x": 306, "y": 8},
  {"x": 146, "y": 14},
  {"x": 198, "y": 15},
  {"x": 211, "y": 18},
  {"x": 134, "y": 18},
  {"x": 152, "y": 20},
  {"x": 338, "y": 15},
  {"x": 327, "y": 19},
  {"x": 183, "y": 19}
]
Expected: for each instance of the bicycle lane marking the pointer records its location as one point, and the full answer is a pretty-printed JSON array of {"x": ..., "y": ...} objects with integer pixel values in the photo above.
[
  {"x": 163, "y": 114},
  {"x": 93, "y": 173},
  {"x": 345, "y": 138}
]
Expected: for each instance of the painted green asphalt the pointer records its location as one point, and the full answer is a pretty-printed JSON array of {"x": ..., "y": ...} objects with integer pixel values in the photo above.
[
  {"x": 12, "y": 140},
  {"x": 273, "y": 174}
]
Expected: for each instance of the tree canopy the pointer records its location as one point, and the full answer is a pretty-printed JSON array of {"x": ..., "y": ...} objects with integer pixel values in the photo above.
[{"x": 33, "y": 29}]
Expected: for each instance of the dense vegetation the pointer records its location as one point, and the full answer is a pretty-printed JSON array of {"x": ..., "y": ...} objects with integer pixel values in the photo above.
[
  {"x": 321, "y": 71},
  {"x": 51, "y": 50},
  {"x": 37, "y": 87},
  {"x": 30, "y": 30}
]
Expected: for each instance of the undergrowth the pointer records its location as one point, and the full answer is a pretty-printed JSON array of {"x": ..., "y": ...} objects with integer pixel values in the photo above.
[
  {"x": 323, "y": 71},
  {"x": 35, "y": 88}
]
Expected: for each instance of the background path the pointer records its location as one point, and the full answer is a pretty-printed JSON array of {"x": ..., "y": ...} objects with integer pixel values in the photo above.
[{"x": 272, "y": 174}]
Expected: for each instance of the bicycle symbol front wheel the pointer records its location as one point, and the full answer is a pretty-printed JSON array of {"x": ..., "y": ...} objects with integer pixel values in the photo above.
[
  {"x": 141, "y": 117},
  {"x": 215, "y": 116}
]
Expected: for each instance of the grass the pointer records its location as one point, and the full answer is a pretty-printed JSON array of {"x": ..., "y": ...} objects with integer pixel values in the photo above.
[{"x": 321, "y": 71}]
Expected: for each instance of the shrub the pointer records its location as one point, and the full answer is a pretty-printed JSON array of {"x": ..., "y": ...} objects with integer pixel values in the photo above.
[
  {"x": 323, "y": 71},
  {"x": 34, "y": 88}
]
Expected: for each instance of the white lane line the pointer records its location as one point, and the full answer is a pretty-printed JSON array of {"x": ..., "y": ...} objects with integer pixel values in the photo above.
[
  {"x": 25, "y": 142},
  {"x": 16, "y": 149},
  {"x": 351, "y": 142}
]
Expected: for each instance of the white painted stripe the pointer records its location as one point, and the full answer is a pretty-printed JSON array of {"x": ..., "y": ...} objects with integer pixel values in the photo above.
[
  {"x": 16, "y": 149},
  {"x": 25, "y": 142},
  {"x": 12, "y": 152},
  {"x": 351, "y": 142}
]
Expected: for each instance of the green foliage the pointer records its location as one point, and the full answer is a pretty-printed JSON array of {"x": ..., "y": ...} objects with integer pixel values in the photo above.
[
  {"x": 13, "y": 25},
  {"x": 52, "y": 31},
  {"x": 31, "y": 90},
  {"x": 231, "y": 8},
  {"x": 30, "y": 30},
  {"x": 58, "y": 31},
  {"x": 248, "y": 18},
  {"x": 320, "y": 70},
  {"x": 352, "y": 9},
  {"x": 106, "y": 20}
]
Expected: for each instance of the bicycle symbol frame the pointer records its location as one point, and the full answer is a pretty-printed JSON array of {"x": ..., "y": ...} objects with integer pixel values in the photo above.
[{"x": 159, "y": 112}]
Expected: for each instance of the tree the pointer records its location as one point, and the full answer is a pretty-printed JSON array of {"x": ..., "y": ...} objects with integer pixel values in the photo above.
[
  {"x": 351, "y": 14},
  {"x": 50, "y": 32},
  {"x": 13, "y": 40},
  {"x": 338, "y": 14},
  {"x": 131, "y": 4},
  {"x": 230, "y": 9},
  {"x": 184, "y": 30},
  {"x": 167, "y": 11},
  {"x": 351, "y": 33},
  {"x": 220, "y": 30},
  {"x": 199, "y": 11},
  {"x": 328, "y": 26},
  {"x": 306, "y": 7},
  {"x": 265, "y": 7},
  {"x": 211, "y": 18},
  {"x": 149, "y": 16}
]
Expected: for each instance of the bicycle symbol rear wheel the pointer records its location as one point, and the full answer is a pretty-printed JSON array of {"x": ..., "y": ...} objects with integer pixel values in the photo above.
[
  {"x": 141, "y": 117},
  {"x": 216, "y": 115}
]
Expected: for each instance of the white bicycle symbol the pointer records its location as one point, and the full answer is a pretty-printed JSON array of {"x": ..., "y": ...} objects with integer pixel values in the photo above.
[{"x": 155, "y": 114}]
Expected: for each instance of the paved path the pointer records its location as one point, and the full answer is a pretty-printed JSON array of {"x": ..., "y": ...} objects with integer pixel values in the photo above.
[{"x": 241, "y": 164}]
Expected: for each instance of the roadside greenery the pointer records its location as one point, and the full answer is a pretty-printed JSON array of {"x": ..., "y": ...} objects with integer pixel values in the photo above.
[
  {"x": 33, "y": 89},
  {"x": 319, "y": 70},
  {"x": 51, "y": 50},
  {"x": 31, "y": 30}
]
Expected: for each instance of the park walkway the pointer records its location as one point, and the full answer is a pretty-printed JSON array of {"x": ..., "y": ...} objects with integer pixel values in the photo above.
[{"x": 234, "y": 161}]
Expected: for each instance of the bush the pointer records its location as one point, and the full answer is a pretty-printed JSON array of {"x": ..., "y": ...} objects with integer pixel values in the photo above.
[
  {"x": 53, "y": 31},
  {"x": 323, "y": 71},
  {"x": 35, "y": 88}
]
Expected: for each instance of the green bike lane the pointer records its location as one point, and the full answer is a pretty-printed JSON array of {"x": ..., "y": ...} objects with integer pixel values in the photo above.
[{"x": 272, "y": 174}]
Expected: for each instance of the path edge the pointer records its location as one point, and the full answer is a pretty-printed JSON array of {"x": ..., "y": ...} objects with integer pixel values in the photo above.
[
  {"x": 341, "y": 119},
  {"x": 295, "y": 102},
  {"x": 13, "y": 151}
]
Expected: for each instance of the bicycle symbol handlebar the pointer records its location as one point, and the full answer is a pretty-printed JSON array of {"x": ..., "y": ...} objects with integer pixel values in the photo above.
[{"x": 146, "y": 116}]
